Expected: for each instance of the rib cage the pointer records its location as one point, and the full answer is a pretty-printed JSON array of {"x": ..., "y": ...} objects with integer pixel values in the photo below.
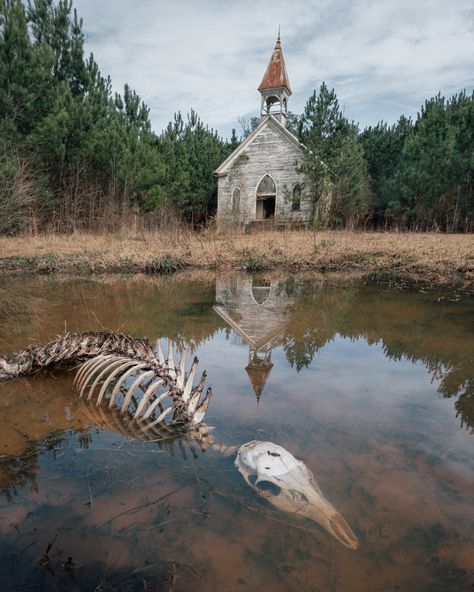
[
  {"x": 166, "y": 437},
  {"x": 113, "y": 359},
  {"x": 160, "y": 393}
]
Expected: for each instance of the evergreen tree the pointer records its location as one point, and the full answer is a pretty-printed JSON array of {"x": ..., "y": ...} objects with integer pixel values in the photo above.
[
  {"x": 192, "y": 152},
  {"x": 335, "y": 159},
  {"x": 383, "y": 146}
]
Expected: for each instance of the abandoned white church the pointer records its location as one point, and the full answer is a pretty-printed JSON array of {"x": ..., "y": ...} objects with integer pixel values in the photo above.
[{"x": 260, "y": 180}]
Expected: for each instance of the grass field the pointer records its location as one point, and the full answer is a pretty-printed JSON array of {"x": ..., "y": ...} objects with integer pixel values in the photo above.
[{"x": 429, "y": 258}]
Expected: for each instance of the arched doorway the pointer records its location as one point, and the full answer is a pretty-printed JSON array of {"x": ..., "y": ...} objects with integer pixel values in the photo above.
[{"x": 266, "y": 199}]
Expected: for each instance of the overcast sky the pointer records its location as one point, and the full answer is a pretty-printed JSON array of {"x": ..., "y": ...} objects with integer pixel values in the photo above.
[{"x": 383, "y": 57}]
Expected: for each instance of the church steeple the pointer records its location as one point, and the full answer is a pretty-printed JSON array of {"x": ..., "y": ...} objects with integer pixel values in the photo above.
[
  {"x": 258, "y": 370},
  {"x": 275, "y": 86}
]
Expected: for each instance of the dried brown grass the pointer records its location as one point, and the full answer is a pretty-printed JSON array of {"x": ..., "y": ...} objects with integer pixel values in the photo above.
[{"x": 432, "y": 257}]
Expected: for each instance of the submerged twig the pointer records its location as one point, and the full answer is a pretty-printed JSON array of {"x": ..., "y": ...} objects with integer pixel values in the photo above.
[{"x": 147, "y": 504}]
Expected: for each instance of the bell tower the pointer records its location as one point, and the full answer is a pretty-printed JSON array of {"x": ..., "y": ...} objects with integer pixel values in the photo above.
[{"x": 275, "y": 86}]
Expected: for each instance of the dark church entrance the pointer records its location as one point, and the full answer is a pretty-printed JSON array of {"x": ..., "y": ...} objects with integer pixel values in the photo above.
[
  {"x": 266, "y": 198},
  {"x": 269, "y": 208}
]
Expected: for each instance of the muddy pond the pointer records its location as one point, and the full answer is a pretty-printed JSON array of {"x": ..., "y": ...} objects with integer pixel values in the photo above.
[{"x": 371, "y": 388}]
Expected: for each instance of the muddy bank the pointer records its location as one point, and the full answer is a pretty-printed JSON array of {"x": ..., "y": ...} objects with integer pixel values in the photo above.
[{"x": 395, "y": 258}]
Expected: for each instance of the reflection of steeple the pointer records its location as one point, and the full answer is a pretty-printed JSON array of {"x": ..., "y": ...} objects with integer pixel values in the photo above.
[
  {"x": 258, "y": 312},
  {"x": 258, "y": 370}
]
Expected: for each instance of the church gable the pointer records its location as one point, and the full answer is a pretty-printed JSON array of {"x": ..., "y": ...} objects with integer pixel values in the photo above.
[
  {"x": 269, "y": 157},
  {"x": 268, "y": 131}
]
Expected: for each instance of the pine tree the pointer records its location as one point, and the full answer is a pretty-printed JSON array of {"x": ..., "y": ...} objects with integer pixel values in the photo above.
[{"x": 335, "y": 160}]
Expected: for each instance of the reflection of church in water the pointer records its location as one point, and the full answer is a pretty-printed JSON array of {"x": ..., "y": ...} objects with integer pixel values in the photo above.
[{"x": 258, "y": 311}]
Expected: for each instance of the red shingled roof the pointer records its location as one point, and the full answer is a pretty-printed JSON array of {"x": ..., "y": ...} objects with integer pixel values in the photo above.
[{"x": 276, "y": 75}]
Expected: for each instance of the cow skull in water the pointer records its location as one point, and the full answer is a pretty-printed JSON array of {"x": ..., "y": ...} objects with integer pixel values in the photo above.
[{"x": 289, "y": 485}]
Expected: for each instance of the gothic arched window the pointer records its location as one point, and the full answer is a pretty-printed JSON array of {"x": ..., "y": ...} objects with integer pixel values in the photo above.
[
  {"x": 296, "y": 198},
  {"x": 266, "y": 187},
  {"x": 236, "y": 201}
]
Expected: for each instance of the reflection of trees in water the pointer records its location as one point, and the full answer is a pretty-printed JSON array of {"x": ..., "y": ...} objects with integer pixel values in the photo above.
[
  {"x": 315, "y": 320},
  {"x": 153, "y": 307},
  {"x": 38, "y": 544},
  {"x": 19, "y": 311},
  {"x": 406, "y": 325},
  {"x": 20, "y": 470}
]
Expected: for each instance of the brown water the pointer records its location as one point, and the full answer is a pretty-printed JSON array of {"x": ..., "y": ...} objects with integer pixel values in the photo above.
[{"x": 372, "y": 389}]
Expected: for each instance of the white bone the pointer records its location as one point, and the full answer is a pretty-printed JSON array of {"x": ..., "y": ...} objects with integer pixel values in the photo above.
[
  {"x": 84, "y": 367},
  {"x": 154, "y": 386},
  {"x": 180, "y": 377},
  {"x": 81, "y": 371},
  {"x": 161, "y": 357},
  {"x": 294, "y": 487},
  {"x": 189, "y": 382},
  {"x": 110, "y": 368},
  {"x": 158, "y": 420},
  {"x": 101, "y": 374},
  {"x": 89, "y": 368},
  {"x": 122, "y": 379},
  {"x": 154, "y": 405},
  {"x": 115, "y": 363},
  {"x": 171, "y": 368},
  {"x": 202, "y": 409},
  {"x": 125, "y": 363},
  {"x": 133, "y": 387}
]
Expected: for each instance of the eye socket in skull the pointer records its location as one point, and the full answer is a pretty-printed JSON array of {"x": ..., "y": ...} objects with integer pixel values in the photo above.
[{"x": 268, "y": 489}]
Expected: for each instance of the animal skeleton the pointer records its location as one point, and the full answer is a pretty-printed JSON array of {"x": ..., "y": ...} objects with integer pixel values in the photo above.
[
  {"x": 114, "y": 359},
  {"x": 290, "y": 486},
  {"x": 123, "y": 386}
]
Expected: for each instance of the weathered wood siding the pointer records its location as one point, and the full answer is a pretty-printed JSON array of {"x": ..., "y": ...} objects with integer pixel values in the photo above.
[
  {"x": 270, "y": 152},
  {"x": 260, "y": 322}
]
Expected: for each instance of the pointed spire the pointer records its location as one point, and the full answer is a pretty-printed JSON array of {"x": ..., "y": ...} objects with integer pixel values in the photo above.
[
  {"x": 258, "y": 370},
  {"x": 276, "y": 75}
]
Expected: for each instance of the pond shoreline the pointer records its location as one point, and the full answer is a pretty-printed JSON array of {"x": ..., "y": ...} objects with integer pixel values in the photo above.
[{"x": 397, "y": 259}]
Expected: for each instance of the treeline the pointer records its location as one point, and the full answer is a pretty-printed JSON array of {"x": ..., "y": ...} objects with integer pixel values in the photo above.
[
  {"x": 414, "y": 175},
  {"x": 421, "y": 173},
  {"x": 73, "y": 154}
]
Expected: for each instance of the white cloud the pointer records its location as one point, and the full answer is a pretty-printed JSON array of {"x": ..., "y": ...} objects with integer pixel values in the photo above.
[{"x": 384, "y": 57}]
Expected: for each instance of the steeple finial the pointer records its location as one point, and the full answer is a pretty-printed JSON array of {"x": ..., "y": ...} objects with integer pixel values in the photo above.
[{"x": 275, "y": 74}]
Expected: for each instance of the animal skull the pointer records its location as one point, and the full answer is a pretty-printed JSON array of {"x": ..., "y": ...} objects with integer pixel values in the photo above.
[{"x": 289, "y": 485}]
